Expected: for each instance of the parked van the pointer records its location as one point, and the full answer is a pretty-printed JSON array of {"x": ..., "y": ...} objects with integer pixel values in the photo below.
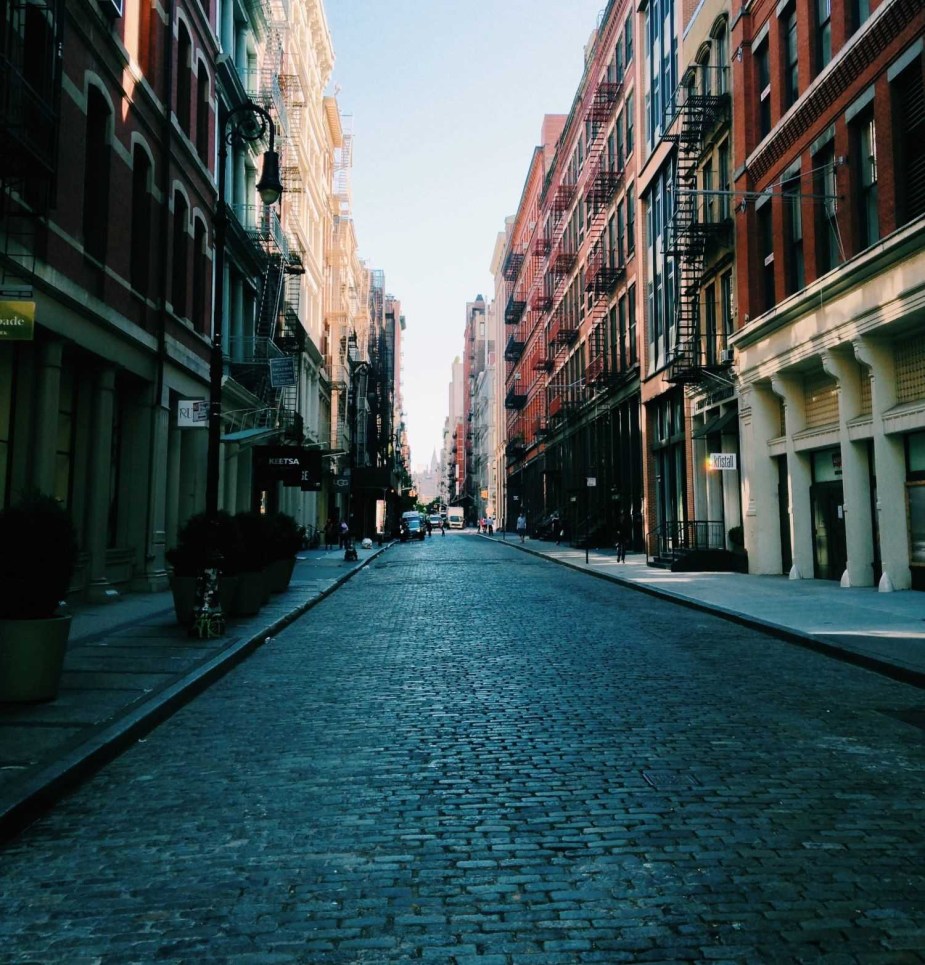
[{"x": 455, "y": 517}]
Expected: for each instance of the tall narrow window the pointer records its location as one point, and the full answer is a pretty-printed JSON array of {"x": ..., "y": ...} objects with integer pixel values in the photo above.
[
  {"x": 860, "y": 13},
  {"x": 709, "y": 197},
  {"x": 724, "y": 206},
  {"x": 630, "y": 220},
  {"x": 618, "y": 132},
  {"x": 725, "y": 290},
  {"x": 823, "y": 33},
  {"x": 791, "y": 59},
  {"x": 628, "y": 38},
  {"x": 622, "y": 358},
  {"x": 631, "y": 324},
  {"x": 200, "y": 271},
  {"x": 763, "y": 71},
  {"x": 180, "y": 253},
  {"x": 721, "y": 41},
  {"x": 828, "y": 247},
  {"x": 621, "y": 233},
  {"x": 203, "y": 113},
  {"x": 793, "y": 225},
  {"x": 141, "y": 220},
  {"x": 909, "y": 142},
  {"x": 711, "y": 348},
  {"x": 865, "y": 137},
  {"x": 766, "y": 254},
  {"x": 629, "y": 124},
  {"x": 96, "y": 176},
  {"x": 184, "y": 78}
]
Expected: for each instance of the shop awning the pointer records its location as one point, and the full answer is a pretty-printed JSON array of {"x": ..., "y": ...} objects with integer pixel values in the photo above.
[{"x": 718, "y": 423}]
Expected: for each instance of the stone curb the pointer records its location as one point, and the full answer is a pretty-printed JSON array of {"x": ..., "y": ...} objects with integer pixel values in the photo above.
[
  {"x": 902, "y": 674},
  {"x": 48, "y": 785}
]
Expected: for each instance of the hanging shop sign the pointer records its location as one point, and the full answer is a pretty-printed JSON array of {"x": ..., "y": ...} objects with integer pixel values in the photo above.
[
  {"x": 192, "y": 414},
  {"x": 289, "y": 465},
  {"x": 722, "y": 461},
  {"x": 17, "y": 321}
]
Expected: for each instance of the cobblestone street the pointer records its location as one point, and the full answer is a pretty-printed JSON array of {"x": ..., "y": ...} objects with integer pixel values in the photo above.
[{"x": 468, "y": 754}]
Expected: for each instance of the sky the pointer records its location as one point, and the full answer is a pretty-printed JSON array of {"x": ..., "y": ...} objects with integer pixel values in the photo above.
[{"x": 445, "y": 100}]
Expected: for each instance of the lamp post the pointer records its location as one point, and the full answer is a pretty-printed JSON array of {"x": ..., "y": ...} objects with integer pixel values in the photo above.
[
  {"x": 234, "y": 129},
  {"x": 270, "y": 188}
]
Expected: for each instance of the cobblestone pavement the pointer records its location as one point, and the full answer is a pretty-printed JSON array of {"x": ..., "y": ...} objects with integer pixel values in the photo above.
[{"x": 471, "y": 756}]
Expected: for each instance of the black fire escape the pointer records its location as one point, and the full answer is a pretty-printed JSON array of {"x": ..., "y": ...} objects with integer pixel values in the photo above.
[{"x": 694, "y": 231}]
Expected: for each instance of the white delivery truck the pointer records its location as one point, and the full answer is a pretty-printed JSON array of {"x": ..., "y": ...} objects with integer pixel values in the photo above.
[{"x": 455, "y": 517}]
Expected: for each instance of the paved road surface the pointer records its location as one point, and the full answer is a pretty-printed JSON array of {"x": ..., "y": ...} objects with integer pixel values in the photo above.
[{"x": 471, "y": 755}]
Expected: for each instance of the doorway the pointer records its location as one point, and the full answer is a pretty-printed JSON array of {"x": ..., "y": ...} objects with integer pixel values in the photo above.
[{"x": 830, "y": 545}]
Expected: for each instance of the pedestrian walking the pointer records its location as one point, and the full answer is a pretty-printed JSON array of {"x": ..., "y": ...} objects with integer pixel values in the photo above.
[
  {"x": 623, "y": 537},
  {"x": 522, "y": 526},
  {"x": 344, "y": 534},
  {"x": 491, "y": 525},
  {"x": 430, "y": 527}
]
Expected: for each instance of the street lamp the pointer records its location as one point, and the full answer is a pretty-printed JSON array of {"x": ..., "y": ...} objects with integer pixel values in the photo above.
[
  {"x": 235, "y": 128},
  {"x": 270, "y": 188}
]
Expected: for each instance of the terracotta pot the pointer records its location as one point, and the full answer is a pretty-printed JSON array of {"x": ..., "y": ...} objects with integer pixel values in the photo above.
[{"x": 31, "y": 658}]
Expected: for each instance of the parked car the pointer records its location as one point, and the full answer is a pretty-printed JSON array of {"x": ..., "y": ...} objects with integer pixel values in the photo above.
[
  {"x": 436, "y": 521},
  {"x": 412, "y": 527}
]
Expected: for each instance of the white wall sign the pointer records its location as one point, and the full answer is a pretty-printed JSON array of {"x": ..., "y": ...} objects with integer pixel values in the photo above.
[
  {"x": 722, "y": 460},
  {"x": 192, "y": 413}
]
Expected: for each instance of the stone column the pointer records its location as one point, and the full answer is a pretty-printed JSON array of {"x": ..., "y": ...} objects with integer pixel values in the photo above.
[
  {"x": 799, "y": 476},
  {"x": 172, "y": 495},
  {"x": 48, "y": 400},
  {"x": 890, "y": 467},
  {"x": 99, "y": 589},
  {"x": 759, "y": 423},
  {"x": 855, "y": 471},
  {"x": 158, "y": 472}
]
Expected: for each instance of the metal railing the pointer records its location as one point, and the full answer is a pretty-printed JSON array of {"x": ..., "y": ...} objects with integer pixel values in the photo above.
[{"x": 673, "y": 538}]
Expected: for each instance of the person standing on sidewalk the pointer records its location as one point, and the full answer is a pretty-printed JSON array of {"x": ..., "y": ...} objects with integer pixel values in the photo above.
[
  {"x": 522, "y": 526},
  {"x": 623, "y": 536}
]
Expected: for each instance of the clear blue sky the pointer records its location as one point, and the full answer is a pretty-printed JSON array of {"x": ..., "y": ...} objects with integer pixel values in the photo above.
[{"x": 447, "y": 101}]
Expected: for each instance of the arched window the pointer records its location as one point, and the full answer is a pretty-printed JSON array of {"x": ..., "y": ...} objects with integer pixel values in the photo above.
[
  {"x": 141, "y": 220},
  {"x": 184, "y": 75},
  {"x": 180, "y": 253},
  {"x": 96, "y": 176}
]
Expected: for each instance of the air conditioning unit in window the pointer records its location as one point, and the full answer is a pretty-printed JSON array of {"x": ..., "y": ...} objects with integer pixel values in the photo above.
[
  {"x": 112, "y": 8},
  {"x": 727, "y": 356}
]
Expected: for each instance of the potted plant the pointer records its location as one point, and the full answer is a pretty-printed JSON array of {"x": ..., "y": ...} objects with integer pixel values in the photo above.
[
  {"x": 252, "y": 590},
  {"x": 204, "y": 541},
  {"x": 284, "y": 539},
  {"x": 36, "y": 567}
]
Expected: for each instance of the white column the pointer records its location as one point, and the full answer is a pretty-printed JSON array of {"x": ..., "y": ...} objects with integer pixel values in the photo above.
[
  {"x": 99, "y": 589},
  {"x": 855, "y": 471},
  {"x": 799, "y": 477},
  {"x": 759, "y": 422},
  {"x": 890, "y": 466}
]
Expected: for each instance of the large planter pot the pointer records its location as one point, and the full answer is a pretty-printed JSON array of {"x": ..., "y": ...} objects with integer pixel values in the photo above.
[
  {"x": 250, "y": 595},
  {"x": 279, "y": 573},
  {"x": 31, "y": 658}
]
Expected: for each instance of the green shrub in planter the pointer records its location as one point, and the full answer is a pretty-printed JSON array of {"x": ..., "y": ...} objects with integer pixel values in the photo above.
[
  {"x": 285, "y": 536},
  {"x": 201, "y": 539},
  {"x": 38, "y": 559}
]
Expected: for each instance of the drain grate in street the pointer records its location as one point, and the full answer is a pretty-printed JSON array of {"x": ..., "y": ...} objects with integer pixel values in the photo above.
[
  {"x": 909, "y": 715},
  {"x": 665, "y": 780}
]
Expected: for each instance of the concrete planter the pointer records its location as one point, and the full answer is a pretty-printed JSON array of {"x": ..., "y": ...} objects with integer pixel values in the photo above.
[
  {"x": 31, "y": 658},
  {"x": 250, "y": 595}
]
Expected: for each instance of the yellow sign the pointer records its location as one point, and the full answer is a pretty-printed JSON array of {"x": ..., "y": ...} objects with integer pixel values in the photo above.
[{"x": 17, "y": 321}]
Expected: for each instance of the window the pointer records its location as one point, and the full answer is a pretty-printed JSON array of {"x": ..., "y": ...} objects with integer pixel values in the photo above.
[
  {"x": 200, "y": 271},
  {"x": 628, "y": 39},
  {"x": 823, "y": 33},
  {"x": 828, "y": 247},
  {"x": 631, "y": 324},
  {"x": 141, "y": 221},
  {"x": 721, "y": 41},
  {"x": 661, "y": 65},
  {"x": 184, "y": 74},
  {"x": 180, "y": 251},
  {"x": 909, "y": 142},
  {"x": 860, "y": 13},
  {"x": 660, "y": 294},
  {"x": 630, "y": 220},
  {"x": 790, "y": 53},
  {"x": 711, "y": 348},
  {"x": 766, "y": 255},
  {"x": 619, "y": 355},
  {"x": 763, "y": 71},
  {"x": 793, "y": 226},
  {"x": 865, "y": 145},
  {"x": 96, "y": 176},
  {"x": 629, "y": 124},
  {"x": 621, "y": 234},
  {"x": 724, "y": 205},
  {"x": 202, "y": 114},
  {"x": 708, "y": 209},
  {"x": 725, "y": 290},
  {"x": 618, "y": 138}
]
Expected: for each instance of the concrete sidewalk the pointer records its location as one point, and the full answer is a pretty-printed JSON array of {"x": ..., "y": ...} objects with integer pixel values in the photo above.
[
  {"x": 884, "y": 632},
  {"x": 129, "y": 666}
]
